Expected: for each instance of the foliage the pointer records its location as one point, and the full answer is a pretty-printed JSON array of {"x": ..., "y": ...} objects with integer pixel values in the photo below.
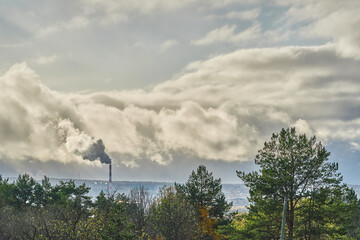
[
  {"x": 205, "y": 192},
  {"x": 32, "y": 210},
  {"x": 138, "y": 209},
  {"x": 116, "y": 224},
  {"x": 298, "y": 167},
  {"x": 172, "y": 216},
  {"x": 319, "y": 206},
  {"x": 233, "y": 231}
]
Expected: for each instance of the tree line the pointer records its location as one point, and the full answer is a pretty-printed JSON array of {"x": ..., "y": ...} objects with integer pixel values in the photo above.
[
  {"x": 38, "y": 210},
  {"x": 295, "y": 181}
]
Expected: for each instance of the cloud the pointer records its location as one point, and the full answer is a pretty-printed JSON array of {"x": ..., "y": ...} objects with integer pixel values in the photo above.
[
  {"x": 113, "y": 12},
  {"x": 218, "y": 110},
  {"x": 355, "y": 146},
  {"x": 225, "y": 3},
  {"x": 303, "y": 127},
  {"x": 74, "y": 23},
  {"x": 87, "y": 13},
  {"x": 31, "y": 116},
  {"x": 222, "y": 108},
  {"x": 43, "y": 60},
  {"x": 246, "y": 15},
  {"x": 145, "y": 7},
  {"x": 122, "y": 7},
  {"x": 168, "y": 44},
  {"x": 329, "y": 20},
  {"x": 226, "y": 34},
  {"x": 276, "y": 36}
]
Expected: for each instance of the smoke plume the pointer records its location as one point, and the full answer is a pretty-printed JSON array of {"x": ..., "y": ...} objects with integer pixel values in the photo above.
[
  {"x": 82, "y": 144},
  {"x": 97, "y": 151}
]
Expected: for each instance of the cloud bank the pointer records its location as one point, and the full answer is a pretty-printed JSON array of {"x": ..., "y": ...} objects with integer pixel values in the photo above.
[{"x": 222, "y": 108}]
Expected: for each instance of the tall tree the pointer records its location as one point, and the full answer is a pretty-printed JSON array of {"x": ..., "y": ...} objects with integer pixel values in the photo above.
[
  {"x": 205, "y": 192},
  {"x": 290, "y": 165},
  {"x": 117, "y": 226},
  {"x": 172, "y": 216},
  {"x": 137, "y": 210},
  {"x": 327, "y": 214},
  {"x": 24, "y": 192}
]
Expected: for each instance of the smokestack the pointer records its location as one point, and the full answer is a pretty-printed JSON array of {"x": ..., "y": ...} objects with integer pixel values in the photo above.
[{"x": 110, "y": 179}]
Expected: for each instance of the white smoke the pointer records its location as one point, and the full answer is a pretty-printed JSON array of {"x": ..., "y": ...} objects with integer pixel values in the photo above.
[{"x": 81, "y": 144}]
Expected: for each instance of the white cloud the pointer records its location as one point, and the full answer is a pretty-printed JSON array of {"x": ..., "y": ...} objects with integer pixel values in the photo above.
[
  {"x": 355, "y": 146},
  {"x": 333, "y": 20},
  {"x": 226, "y": 34},
  {"x": 151, "y": 6},
  {"x": 77, "y": 22},
  {"x": 83, "y": 14},
  {"x": 220, "y": 108},
  {"x": 74, "y": 23},
  {"x": 168, "y": 44},
  {"x": 225, "y": 3},
  {"x": 117, "y": 11},
  {"x": 303, "y": 127},
  {"x": 43, "y": 60},
  {"x": 276, "y": 35},
  {"x": 30, "y": 112},
  {"x": 144, "y": 7},
  {"x": 109, "y": 12},
  {"x": 247, "y": 15},
  {"x": 114, "y": 11}
]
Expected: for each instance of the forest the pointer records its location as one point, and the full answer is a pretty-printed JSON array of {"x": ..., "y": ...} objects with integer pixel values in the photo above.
[{"x": 297, "y": 193}]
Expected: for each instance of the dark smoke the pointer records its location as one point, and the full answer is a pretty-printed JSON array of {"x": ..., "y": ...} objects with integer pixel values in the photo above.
[{"x": 97, "y": 151}]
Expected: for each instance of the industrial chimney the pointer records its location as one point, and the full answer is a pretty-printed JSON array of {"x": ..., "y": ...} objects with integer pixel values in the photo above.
[{"x": 110, "y": 180}]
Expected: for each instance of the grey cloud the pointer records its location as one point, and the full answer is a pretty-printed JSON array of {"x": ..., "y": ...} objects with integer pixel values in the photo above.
[
  {"x": 220, "y": 109},
  {"x": 13, "y": 122},
  {"x": 241, "y": 98},
  {"x": 105, "y": 99},
  {"x": 30, "y": 114},
  {"x": 331, "y": 20}
]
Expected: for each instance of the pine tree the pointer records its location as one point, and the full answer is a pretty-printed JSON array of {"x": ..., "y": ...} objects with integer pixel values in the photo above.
[
  {"x": 290, "y": 165},
  {"x": 205, "y": 192}
]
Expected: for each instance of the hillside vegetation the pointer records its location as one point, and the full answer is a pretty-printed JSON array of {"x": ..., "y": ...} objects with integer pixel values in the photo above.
[{"x": 295, "y": 185}]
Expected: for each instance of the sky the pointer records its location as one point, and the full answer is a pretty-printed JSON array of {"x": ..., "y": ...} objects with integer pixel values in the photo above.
[{"x": 166, "y": 85}]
